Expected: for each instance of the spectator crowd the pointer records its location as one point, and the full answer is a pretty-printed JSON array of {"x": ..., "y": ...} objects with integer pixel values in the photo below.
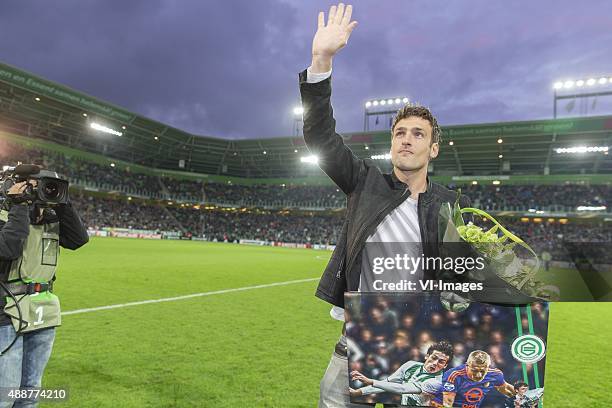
[{"x": 259, "y": 210}]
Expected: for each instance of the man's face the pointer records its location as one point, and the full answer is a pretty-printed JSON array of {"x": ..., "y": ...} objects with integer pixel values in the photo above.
[
  {"x": 435, "y": 361},
  {"x": 377, "y": 316},
  {"x": 522, "y": 390},
  {"x": 408, "y": 321},
  {"x": 401, "y": 342},
  {"x": 469, "y": 333},
  {"x": 436, "y": 320},
  {"x": 411, "y": 147},
  {"x": 476, "y": 372}
]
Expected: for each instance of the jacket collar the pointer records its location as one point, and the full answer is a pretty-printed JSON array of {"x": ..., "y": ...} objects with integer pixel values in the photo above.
[{"x": 399, "y": 185}]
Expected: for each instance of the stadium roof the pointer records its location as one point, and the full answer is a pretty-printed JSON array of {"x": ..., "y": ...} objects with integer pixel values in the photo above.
[{"x": 35, "y": 107}]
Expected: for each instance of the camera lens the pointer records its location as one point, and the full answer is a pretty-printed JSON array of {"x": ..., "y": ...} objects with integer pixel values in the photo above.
[{"x": 50, "y": 190}]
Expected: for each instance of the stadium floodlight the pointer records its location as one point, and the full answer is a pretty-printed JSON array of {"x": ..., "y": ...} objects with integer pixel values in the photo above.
[
  {"x": 474, "y": 182},
  {"x": 156, "y": 138},
  {"x": 451, "y": 143},
  {"x": 574, "y": 88},
  {"x": 385, "y": 102},
  {"x": 264, "y": 152},
  {"x": 496, "y": 182},
  {"x": 123, "y": 127},
  {"x": 382, "y": 108},
  {"x": 112, "y": 164},
  {"x": 582, "y": 149},
  {"x": 581, "y": 82},
  {"x": 295, "y": 150},
  {"x": 366, "y": 147},
  {"x": 501, "y": 156},
  {"x": 84, "y": 114},
  {"x": 37, "y": 99},
  {"x": 298, "y": 110},
  {"x": 309, "y": 159},
  {"x": 105, "y": 129},
  {"x": 591, "y": 208},
  {"x": 500, "y": 140},
  {"x": 386, "y": 156}
]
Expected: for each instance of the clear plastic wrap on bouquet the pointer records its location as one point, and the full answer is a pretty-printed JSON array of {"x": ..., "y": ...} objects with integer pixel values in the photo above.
[{"x": 506, "y": 277}]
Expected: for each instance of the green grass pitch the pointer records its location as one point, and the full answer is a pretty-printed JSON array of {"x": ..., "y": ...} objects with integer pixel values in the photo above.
[{"x": 266, "y": 347}]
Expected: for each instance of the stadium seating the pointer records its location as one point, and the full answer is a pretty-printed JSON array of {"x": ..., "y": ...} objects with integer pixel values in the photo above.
[{"x": 258, "y": 212}]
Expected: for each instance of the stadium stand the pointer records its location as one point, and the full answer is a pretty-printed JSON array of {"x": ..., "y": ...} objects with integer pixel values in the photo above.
[{"x": 157, "y": 178}]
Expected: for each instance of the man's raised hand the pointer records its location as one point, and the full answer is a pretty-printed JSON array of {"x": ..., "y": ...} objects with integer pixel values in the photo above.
[
  {"x": 17, "y": 188},
  {"x": 331, "y": 37}
]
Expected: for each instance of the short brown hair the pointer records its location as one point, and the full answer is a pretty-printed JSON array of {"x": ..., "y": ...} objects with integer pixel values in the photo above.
[{"x": 414, "y": 109}]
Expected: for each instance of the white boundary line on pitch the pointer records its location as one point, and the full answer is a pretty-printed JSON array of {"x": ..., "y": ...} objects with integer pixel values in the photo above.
[{"x": 193, "y": 295}]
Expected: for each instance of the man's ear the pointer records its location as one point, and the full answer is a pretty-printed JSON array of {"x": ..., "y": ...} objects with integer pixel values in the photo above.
[{"x": 434, "y": 149}]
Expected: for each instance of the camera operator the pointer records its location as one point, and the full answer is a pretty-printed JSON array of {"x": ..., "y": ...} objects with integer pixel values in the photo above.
[{"x": 31, "y": 232}]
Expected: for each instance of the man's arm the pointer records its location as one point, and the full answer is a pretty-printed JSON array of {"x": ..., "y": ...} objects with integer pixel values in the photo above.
[
  {"x": 367, "y": 390},
  {"x": 396, "y": 388},
  {"x": 14, "y": 232},
  {"x": 73, "y": 233},
  {"x": 449, "y": 399},
  {"x": 335, "y": 158},
  {"x": 388, "y": 385},
  {"x": 506, "y": 389}
]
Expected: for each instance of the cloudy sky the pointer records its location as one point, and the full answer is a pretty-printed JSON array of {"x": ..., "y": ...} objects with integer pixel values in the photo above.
[{"x": 229, "y": 68}]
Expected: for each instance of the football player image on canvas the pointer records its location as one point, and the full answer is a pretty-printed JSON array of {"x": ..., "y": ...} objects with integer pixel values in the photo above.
[{"x": 408, "y": 380}]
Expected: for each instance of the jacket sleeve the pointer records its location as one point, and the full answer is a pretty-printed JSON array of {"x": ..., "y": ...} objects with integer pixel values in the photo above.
[
  {"x": 73, "y": 233},
  {"x": 335, "y": 158},
  {"x": 14, "y": 232}
]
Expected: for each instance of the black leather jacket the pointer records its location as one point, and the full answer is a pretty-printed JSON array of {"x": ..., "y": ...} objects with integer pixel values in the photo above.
[{"x": 371, "y": 195}]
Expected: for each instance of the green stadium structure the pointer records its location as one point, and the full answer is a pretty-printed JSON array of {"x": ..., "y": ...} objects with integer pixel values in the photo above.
[{"x": 43, "y": 110}]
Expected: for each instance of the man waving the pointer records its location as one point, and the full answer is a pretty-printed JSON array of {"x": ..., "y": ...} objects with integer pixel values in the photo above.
[{"x": 401, "y": 206}]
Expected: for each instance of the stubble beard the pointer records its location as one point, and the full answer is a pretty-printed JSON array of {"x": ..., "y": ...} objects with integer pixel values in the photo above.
[{"x": 403, "y": 166}]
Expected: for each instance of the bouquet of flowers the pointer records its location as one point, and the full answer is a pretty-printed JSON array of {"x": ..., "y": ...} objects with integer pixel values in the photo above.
[{"x": 498, "y": 247}]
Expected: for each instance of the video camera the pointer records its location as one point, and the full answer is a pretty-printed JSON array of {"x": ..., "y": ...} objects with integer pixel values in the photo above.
[{"x": 49, "y": 189}]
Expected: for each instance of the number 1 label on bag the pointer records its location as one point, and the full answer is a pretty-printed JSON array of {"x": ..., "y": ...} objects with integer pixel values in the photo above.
[{"x": 39, "y": 314}]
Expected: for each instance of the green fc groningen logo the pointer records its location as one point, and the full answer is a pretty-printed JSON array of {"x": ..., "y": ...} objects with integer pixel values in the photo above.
[{"x": 528, "y": 349}]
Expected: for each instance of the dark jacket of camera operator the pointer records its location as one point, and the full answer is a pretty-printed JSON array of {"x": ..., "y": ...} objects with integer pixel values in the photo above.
[{"x": 14, "y": 232}]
